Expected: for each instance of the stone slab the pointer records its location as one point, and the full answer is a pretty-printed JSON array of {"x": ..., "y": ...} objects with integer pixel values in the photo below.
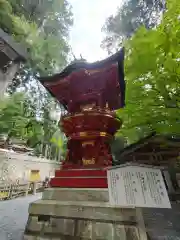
[
  {"x": 77, "y": 194},
  {"x": 59, "y": 228},
  {"x": 163, "y": 223},
  {"x": 31, "y": 237},
  {"x": 85, "y": 210},
  {"x": 88, "y": 217}
]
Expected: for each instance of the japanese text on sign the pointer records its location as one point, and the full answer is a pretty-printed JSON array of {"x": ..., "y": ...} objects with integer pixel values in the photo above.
[{"x": 137, "y": 187}]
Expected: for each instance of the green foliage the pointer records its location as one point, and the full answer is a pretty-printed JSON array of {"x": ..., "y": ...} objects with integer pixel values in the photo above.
[
  {"x": 12, "y": 120},
  {"x": 18, "y": 120},
  {"x": 129, "y": 17},
  {"x": 59, "y": 141},
  {"x": 153, "y": 78},
  {"x": 43, "y": 28},
  {"x": 5, "y": 15}
]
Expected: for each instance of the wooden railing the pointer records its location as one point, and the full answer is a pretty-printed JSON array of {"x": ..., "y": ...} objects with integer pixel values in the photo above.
[{"x": 14, "y": 190}]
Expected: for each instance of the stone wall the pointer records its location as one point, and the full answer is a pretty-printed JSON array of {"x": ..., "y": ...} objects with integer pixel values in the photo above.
[
  {"x": 163, "y": 224},
  {"x": 15, "y": 166}
]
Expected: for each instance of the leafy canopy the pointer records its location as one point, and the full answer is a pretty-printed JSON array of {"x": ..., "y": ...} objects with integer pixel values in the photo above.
[
  {"x": 43, "y": 27},
  {"x": 153, "y": 78},
  {"x": 128, "y": 18}
]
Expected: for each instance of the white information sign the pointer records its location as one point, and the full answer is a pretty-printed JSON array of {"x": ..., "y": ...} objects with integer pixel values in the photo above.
[{"x": 135, "y": 186}]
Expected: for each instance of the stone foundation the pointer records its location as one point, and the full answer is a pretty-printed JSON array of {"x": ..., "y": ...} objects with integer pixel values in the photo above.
[{"x": 82, "y": 214}]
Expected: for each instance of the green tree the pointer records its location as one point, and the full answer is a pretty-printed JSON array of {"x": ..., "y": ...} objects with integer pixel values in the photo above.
[
  {"x": 12, "y": 119},
  {"x": 59, "y": 140},
  {"x": 19, "y": 120},
  {"x": 153, "y": 78},
  {"x": 41, "y": 126},
  {"x": 33, "y": 130},
  {"x": 42, "y": 27},
  {"x": 129, "y": 17},
  {"x": 47, "y": 42},
  {"x": 5, "y": 15}
]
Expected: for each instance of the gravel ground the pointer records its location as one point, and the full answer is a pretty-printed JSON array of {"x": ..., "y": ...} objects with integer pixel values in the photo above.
[{"x": 13, "y": 217}]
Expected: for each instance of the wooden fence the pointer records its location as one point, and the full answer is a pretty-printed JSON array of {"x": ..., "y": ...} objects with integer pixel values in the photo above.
[{"x": 9, "y": 191}]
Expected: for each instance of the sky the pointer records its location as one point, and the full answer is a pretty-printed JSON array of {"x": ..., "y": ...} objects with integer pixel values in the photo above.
[{"x": 86, "y": 35}]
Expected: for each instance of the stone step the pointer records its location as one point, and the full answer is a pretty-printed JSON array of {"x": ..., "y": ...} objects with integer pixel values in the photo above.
[
  {"x": 76, "y": 194},
  {"x": 80, "y": 221},
  {"x": 84, "y": 210},
  {"x": 75, "y": 229},
  {"x": 72, "y": 218}
]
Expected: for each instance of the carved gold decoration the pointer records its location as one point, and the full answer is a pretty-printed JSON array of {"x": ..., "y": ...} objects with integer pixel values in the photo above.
[
  {"x": 88, "y": 143},
  {"x": 83, "y": 134},
  {"x": 70, "y": 117},
  {"x": 88, "y": 161},
  {"x": 88, "y": 107},
  {"x": 103, "y": 134}
]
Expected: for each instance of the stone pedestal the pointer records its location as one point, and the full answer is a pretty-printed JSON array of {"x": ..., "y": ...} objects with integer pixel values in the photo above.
[{"x": 81, "y": 214}]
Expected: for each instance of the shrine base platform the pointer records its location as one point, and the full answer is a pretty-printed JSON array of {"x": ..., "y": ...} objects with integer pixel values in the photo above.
[
  {"x": 81, "y": 214},
  {"x": 80, "y": 178}
]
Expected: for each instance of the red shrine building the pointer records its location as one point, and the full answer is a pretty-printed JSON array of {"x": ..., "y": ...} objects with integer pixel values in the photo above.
[{"x": 90, "y": 93}]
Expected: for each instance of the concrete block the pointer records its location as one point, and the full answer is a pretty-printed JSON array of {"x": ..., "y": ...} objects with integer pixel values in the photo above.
[
  {"x": 33, "y": 224},
  {"x": 61, "y": 226},
  {"x": 133, "y": 234},
  {"x": 82, "y": 219},
  {"x": 76, "y": 194},
  {"x": 28, "y": 237},
  {"x": 84, "y": 210},
  {"x": 102, "y": 230},
  {"x": 84, "y": 229},
  {"x": 119, "y": 232}
]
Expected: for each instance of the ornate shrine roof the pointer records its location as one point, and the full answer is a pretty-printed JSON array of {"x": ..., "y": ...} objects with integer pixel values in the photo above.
[{"x": 81, "y": 78}]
